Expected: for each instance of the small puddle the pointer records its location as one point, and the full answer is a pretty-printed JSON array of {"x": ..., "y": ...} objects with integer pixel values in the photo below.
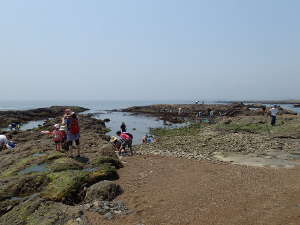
[
  {"x": 39, "y": 154},
  {"x": 35, "y": 169},
  {"x": 30, "y": 197},
  {"x": 90, "y": 169}
]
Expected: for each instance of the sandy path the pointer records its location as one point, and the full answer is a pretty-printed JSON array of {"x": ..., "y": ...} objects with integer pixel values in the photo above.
[{"x": 164, "y": 190}]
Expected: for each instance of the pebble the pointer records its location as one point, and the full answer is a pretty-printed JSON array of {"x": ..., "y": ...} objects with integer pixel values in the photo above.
[{"x": 108, "y": 216}]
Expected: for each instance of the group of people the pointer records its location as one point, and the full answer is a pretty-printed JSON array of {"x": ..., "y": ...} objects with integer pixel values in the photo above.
[
  {"x": 14, "y": 126},
  {"x": 66, "y": 135}
]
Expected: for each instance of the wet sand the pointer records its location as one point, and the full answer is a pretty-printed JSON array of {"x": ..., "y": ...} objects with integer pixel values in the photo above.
[{"x": 166, "y": 190}]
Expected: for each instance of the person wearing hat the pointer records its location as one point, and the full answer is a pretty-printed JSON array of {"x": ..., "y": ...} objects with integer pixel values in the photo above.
[{"x": 73, "y": 132}]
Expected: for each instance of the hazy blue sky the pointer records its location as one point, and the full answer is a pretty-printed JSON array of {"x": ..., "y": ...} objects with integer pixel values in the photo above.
[{"x": 149, "y": 49}]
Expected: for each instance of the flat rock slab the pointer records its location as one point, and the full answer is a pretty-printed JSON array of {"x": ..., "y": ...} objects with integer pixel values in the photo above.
[{"x": 274, "y": 159}]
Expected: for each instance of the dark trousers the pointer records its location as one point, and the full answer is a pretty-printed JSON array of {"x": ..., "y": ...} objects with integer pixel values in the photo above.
[{"x": 273, "y": 122}]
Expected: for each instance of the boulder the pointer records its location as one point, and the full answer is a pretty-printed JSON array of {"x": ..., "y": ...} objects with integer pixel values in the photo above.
[
  {"x": 102, "y": 160},
  {"x": 108, "y": 151},
  {"x": 64, "y": 163},
  {"x": 67, "y": 186},
  {"x": 104, "y": 190}
]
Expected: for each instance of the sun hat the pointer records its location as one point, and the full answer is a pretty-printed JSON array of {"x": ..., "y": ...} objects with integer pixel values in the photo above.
[{"x": 113, "y": 139}]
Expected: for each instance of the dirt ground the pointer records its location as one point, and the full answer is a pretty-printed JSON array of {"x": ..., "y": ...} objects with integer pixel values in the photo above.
[{"x": 162, "y": 190}]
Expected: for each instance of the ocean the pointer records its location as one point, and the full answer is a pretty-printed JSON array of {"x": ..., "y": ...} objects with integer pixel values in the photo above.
[{"x": 138, "y": 125}]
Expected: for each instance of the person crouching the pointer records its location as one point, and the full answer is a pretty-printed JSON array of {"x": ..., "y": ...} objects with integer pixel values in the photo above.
[{"x": 126, "y": 141}]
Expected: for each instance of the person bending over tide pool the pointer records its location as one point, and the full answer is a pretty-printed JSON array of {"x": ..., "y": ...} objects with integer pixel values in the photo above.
[{"x": 126, "y": 141}]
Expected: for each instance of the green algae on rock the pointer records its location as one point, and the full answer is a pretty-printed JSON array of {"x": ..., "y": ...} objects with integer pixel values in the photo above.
[
  {"x": 40, "y": 211},
  {"x": 23, "y": 185},
  {"x": 65, "y": 186},
  {"x": 64, "y": 163},
  {"x": 108, "y": 160},
  {"x": 13, "y": 170}
]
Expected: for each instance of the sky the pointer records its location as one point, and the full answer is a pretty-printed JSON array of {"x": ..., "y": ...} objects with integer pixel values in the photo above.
[{"x": 149, "y": 49}]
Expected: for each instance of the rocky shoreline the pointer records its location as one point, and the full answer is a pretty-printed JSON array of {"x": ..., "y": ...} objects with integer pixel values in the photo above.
[
  {"x": 18, "y": 116},
  {"x": 178, "y": 113},
  {"x": 244, "y": 135},
  {"x": 41, "y": 186}
]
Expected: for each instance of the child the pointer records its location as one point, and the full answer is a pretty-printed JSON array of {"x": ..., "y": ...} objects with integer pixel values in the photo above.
[{"x": 58, "y": 136}]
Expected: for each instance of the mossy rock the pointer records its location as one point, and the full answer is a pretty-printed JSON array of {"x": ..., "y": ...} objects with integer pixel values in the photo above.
[
  {"x": 39, "y": 211},
  {"x": 29, "y": 161},
  {"x": 108, "y": 151},
  {"x": 64, "y": 185},
  {"x": 108, "y": 160},
  {"x": 23, "y": 185},
  {"x": 64, "y": 163},
  {"x": 104, "y": 190},
  {"x": 105, "y": 172}
]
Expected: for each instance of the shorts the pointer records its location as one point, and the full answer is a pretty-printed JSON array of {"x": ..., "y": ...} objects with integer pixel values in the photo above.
[
  {"x": 127, "y": 143},
  {"x": 72, "y": 137}
]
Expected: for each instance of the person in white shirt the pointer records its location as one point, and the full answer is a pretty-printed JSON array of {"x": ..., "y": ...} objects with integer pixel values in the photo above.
[
  {"x": 274, "y": 111},
  {"x": 3, "y": 142}
]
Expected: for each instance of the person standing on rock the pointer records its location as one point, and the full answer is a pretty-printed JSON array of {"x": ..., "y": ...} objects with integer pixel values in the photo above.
[
  {"x": 123, "y": 127},
  {"x": 274, "y": 111},
  {"x": 73, "y": 132}
]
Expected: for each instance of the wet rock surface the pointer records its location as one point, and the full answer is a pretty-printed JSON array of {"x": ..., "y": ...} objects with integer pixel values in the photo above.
[{"x": 39, "y": 185}]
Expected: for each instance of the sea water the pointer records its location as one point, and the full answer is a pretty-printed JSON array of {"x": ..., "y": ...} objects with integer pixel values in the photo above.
[{"x": 137, "y": 125}]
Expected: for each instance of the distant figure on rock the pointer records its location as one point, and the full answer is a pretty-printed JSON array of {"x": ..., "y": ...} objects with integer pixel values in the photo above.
[
  {"x": 147, "y": 139},
  {"x": 14, "y": 126},
  {"x": 179, "y": 111},
  {"x": 123, "y": 127},
  {"x": 274, "y": 111}
]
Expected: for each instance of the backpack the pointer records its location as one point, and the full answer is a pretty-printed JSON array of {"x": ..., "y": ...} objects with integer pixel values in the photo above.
[
  {"x": 75, "y": 126},
  {"x": 128, "y": 134}
]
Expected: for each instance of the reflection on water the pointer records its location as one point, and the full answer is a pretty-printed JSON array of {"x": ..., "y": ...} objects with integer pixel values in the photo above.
[
  {"x": 39, "y": 154},
  {"x": 35, "y": 168},
  {"x": 138, "y": 126},
  {"x": 32, "y": 124},
  {"x": 28, "y": 126}
]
